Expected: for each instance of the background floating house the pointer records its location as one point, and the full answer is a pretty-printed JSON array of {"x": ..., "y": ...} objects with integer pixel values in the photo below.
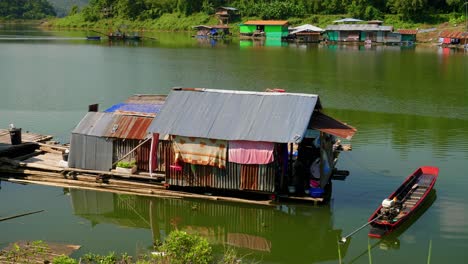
[
  {"x": 306, "y": 33},
  {"x": 453, "y": 38},
  {"x": 264, "y": 29},
  {"x": 239, "y": 140},
  {"x": 102, "y": 138},
  {"x": 216, "y": 31},
  {"x": 361, "y": 33},
  {"x": 408, "y": 35}
]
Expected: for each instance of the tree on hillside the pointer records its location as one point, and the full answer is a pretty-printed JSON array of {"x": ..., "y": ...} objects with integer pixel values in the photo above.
[
  {"x": 409, "y": 9},
  {"x": 26, "y": 9}
]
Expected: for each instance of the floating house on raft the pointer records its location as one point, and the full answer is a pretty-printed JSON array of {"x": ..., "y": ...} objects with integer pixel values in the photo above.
[
  {"x": 447, "y": 38},
  {"x": 408, "y": 35},
  {"x": 277, "y": 29},
  {"x": 305, "y": 33},
  {"x": 361, "y": 33},
  {"x": 216, "y": 31},
  {"x": 236, "y": 140},
  {"x": 371, "y": 32},
  {"x": 103, "y": 138}
]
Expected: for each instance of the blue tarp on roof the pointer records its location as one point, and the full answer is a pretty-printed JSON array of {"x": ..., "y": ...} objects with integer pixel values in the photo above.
[{"x": 138, "y": 108}]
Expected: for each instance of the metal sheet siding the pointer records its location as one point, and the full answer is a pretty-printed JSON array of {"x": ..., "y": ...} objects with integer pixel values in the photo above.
[
  {"x": 128, "y": 127},
  {"x": 90, "y": 152},
  {"x": 229, "y": 115},
  {"x": 94, "y": 124},
  {"x": 143, "y": 156},
  {"x": 122, "y": 147}
]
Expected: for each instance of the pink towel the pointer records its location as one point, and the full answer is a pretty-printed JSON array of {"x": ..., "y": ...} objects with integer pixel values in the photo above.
[{"x": 251, "y": 152}]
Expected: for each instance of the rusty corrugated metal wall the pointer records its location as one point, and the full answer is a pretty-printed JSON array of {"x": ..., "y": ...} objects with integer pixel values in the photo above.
[
  {"x": 143, "y": 155},
  {"x": 122, "y": 147},
  {"x": 234, "y": 177}
]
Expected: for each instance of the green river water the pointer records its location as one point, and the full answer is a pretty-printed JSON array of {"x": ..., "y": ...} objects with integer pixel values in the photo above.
[{"x": 409, "y": 104}]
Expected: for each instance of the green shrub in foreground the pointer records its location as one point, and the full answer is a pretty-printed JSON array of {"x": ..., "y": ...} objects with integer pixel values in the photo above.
[
  {"x": 184, "y": 248},
  {"x": 64, "y": 260}
]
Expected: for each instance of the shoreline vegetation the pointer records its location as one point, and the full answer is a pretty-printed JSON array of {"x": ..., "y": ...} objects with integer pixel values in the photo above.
[
  {"x": 179, "y": 248},
  {"x": 105, "y": 16}
]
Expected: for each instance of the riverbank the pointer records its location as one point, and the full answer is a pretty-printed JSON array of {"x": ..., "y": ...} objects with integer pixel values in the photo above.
[
  {"x": 179, "y": 247},
  {"x": 178, "y": 22}
]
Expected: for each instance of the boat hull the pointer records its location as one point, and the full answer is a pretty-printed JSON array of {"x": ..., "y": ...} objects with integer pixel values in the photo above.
[{"x": 409, "y": 198}]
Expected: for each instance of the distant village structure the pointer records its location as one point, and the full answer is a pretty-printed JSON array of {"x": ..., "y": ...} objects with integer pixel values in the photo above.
[
  {"x": 277, "y": 29},
  {"x": 226, "y": 14},
  {"x": 348, "y": 30}
]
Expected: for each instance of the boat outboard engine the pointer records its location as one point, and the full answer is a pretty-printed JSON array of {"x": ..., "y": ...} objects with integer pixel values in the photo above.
[{"x": 389, "y": 210}]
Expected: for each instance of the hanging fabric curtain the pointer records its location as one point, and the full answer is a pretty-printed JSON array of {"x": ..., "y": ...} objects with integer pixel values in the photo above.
[
  {"x": 201, "y": 151},
  {"x": 251, "y": 152}
]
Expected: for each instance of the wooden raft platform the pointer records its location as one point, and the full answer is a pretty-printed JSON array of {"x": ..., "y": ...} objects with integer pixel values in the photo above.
[
  {"x": 35, "y": 252},
  {"x": 25, "y": 137},
  {"x": 43, "y": 166}
]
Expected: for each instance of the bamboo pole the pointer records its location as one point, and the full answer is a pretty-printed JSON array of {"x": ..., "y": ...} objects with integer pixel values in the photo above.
[
  {"x": 52, "y": 146},
  {"x": 19, "y": 215}
]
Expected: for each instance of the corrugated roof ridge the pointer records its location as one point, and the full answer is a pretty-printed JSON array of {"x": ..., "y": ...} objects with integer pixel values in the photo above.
[{"x": 242, "y": 92}]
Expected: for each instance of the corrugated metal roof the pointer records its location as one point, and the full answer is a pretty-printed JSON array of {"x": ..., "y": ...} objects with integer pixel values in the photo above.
[
  {"x": 210, "y": 27},
  {"x": 267, "y": 22},
  {"x": 408, "y": 31},
  {"x": 331, "y": 126},
  {"x": 454, "y": 34},
  {"x": 228, "y": 8},
  {"x": 128, "y": 127},
  {"x": 94, "y": 124},
  {"x": 306, "y": 28},
  {"x": 236, "y": 115},
  {"x": 348, "y": 20},
  {"x": 135, "y": 109},
  {"x": 358, "y": 27}
]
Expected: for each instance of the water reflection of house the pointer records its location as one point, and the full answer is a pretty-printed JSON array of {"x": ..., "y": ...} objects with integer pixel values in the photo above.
[
  {"x": 264, "y": 29},
  {"x": 102, "y": 138},
  {"x": 285, "y": 234},
  {"x": 235, "y": 140}
]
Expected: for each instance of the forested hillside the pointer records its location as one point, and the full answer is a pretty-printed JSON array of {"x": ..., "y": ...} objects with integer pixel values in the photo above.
[
  {"x": 63, "y": 7},
  {"x": 414, "y": 10},
  {"x": 25, "y": 9}
]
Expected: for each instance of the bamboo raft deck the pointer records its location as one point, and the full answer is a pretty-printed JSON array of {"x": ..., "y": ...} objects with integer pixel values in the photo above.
[{"x": 44, "y": 165}]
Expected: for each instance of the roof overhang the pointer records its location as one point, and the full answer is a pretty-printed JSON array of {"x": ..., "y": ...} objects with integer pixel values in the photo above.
[{"x": 329, "y": 125}]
